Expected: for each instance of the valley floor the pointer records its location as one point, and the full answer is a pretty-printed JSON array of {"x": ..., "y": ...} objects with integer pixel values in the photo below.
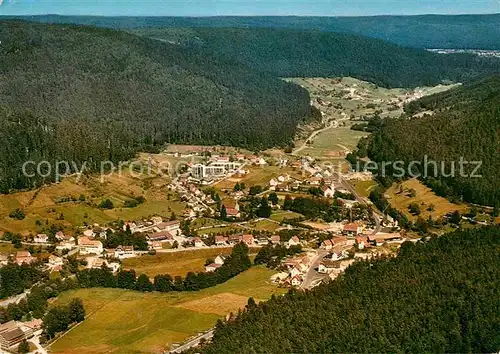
[{"x": 123, "y": 321}]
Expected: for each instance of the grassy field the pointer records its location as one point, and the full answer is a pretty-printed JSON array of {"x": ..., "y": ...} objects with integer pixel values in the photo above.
[
  {"x": 363, "y": 188},
  {"x": 333, "y": 140},
  {"x": 204, "y": 222},
  {"x": 265, "y": 225},
  {"x": 282, "y": 215},
  {"x": 121, "y": 321},
  {"x": 46, "y": 206},
  {"x": 175, "y": 263},
  {"x": 425, "y": 197}
]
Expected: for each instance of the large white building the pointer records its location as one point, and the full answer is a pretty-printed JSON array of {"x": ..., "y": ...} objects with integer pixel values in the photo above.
[{"x": 213, "y": 169}]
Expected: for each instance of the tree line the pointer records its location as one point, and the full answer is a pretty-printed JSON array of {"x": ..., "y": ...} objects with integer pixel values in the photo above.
[
  {"x": 236, "y": 263},
  {"x": 435, "y": 296}
]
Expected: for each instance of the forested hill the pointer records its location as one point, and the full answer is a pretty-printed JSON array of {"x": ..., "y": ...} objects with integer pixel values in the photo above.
[
  {"x": 466, "y": 123},
  {"x": 440, "y": 296},
  {"x": 290, "y": 53},
  {"x": 424, "y": 31},
  {"x": 88, "y": 94}
]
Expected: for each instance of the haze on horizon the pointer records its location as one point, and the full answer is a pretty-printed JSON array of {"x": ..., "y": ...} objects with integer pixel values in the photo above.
[{"x": 247, "y": 7}]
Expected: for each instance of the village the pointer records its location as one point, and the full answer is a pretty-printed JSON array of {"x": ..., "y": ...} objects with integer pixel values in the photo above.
[{"x": 301, "y": 207}]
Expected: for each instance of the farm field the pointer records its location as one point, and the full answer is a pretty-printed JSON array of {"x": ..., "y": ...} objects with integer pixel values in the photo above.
[
  {"x": 60, "y": 203},
  {"x": 349, "y": 100},
  {"x": 425, "y": 198},
  {"x": 173, "y": 263},
  {"x": 123, "y": 321},
  {"x": 333, "y": 140}
]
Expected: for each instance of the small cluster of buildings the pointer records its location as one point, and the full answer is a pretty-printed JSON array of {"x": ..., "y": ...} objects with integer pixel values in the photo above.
[
  {"x": 217, "y": 263},
  {"x": 294, "y": 270},
  {"x": 12, "y": 333}
]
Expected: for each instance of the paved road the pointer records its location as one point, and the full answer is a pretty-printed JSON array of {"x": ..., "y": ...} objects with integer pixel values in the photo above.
[
  {"x": 377, "y": 216},
  {"x": 333, "y": 124},
  {"x": 312, "y": 275},
  {"x": 193, "y": 342},
  {"x": 13, "y": 299}
]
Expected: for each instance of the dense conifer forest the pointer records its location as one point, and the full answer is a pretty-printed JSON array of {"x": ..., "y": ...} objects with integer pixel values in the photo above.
[
  {"x": 87, "y": 94},
  {"x": 437, "y": 296},
  {"x": 465, "y": 123},
  {"x": 291, "y": 53},
  {"x": 424, "y": 31}
]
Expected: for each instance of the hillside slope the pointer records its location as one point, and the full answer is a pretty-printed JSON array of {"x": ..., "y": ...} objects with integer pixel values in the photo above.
[
  {"x": 291, "y": 53},
  {"x": 87, "y": 94},
  {"x": 424, "y": 31},
  {"x": 465, "y": 124},
  {"x": 435, "y": 297}
]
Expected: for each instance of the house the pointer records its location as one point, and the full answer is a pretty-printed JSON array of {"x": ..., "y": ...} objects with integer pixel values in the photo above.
[
  {"x": 60, "y": 236},
  {"x": 4, "y": 260},
  {"x": 297, "y": 280},
  {"x": 155, "y": 245},
  {"x": 23, "y": 257},
  {"x": 275, "y": 239},
  {"x": 361, "y": 242},
  {"x": 89, "y": 233},
  {"x": 124, "y": 252},
  {"x": 96, "y": 263},
  {"x": 314, "y": 181},
  {"x": 66, "y": 244},
  {"x": 220, "y": 259},
  {"x": 220, "y": 240},
  {"x": 272, "y": 184},
  {"x": 343, "y": 241},
  {"x": 41, "y": 238},
  {"x": 326, "y": 245},
  {"x": 294, "y": 241},
  {"x": 189, "y": 213},
  {"x": 212, "y": 267},
  {"x": 88, "y": 246},
  {"x": 338, "y": 255},
  {"x": 352, "y": 229},
  {"x": 233, "y": 239},
  {"x": 294, "y": 271},
  {"x": 55, "y": 261},
  {"x": 198, "y": 242},
  {"x": 248, "y": 240},
  {"x": 156, "y": 220},
  {"x": 328, "y": 192},
  {"x": 380, "y": 238},
  {"x": 29, "y": 328},
  {"x": 174, "y": 227},
  {"x": 262, "y": 241},
  {"x": 279, "y": 277},
  {"x": 10, "y": 335},
  {"x": 163, "y": 236},
  {"x": 282, "y": 187},
  {"x": 232, "y": 213},
  {"x": 328, "y": 266}
]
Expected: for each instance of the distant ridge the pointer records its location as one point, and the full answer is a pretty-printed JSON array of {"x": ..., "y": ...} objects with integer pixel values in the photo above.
[{"x": 420, "y": 31}]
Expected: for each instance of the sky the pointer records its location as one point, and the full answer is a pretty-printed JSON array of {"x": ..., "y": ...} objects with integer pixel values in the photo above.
[{"x": 246, "y": 7}]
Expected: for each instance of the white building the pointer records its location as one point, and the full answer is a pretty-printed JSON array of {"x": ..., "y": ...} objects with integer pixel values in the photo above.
[
  {"x": 88, "y": 246},
  {"x": 41, "y": 238}
]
